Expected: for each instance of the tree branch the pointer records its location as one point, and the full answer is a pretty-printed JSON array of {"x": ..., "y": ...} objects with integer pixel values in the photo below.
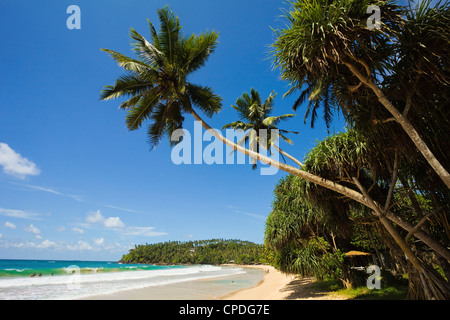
[
  {"x": 421, "y": 222},
  {"x": 393, "y": 182}
]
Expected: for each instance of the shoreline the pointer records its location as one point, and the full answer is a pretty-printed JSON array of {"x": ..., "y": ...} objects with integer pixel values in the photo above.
[
  {"x": 274, "y": 285},
  {"x": 269, "y": 288}
]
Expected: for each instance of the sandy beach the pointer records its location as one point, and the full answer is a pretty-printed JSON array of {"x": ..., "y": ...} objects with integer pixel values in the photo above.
[
  {"x": 275, "y": 285},
  {"x": 278, "y": 286},
  {"x": 270, "y": 288}
]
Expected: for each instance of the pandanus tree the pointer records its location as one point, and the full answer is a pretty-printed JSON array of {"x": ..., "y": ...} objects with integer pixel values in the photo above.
[
  {"x": 256, "y": 120},
  {"x": 304, "y": 236},
  {"x": 331, "y": 55},
  {"x": 352, "y": 160},
  {"x": 158, "y": 89}
]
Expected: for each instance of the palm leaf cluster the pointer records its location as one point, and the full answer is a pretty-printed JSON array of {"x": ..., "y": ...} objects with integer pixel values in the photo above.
[
  {"x": 256, "y": 119},
  {"x": 156, "y": 82},
  {"x": 256, "y": 115},
  {"x": 299, "y": 205},
  {"x": 322, "y": 34},
  {"x": 407, "y": 59},
  {"x": 303, "y": 235}
]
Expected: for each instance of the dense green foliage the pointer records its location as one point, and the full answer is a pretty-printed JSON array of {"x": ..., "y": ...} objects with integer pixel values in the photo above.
[
  {"x": 214, "y": 251},
  {"x": 308, "y": 235},
  {"x": 392, "y": 85},
  {"x": 381, "y": 187}
]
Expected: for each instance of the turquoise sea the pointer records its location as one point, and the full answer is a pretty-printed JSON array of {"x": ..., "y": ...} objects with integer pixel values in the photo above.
[{"x": 66, "y": 280}]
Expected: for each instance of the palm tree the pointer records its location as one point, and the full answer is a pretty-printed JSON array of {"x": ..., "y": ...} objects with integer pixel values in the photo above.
[
  {"x": 157, "y": 83},
  {"x": 158, "y": 90},
  {"x": 256, "y": 115},
  {"x": 353, "y": 161},
  {"x": 329, "y": 52},
  {"x": 299, "y": 231},
  {"x": 157, "y": 87}
]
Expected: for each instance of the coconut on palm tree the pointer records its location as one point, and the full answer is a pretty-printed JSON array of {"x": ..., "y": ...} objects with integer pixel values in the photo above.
[
  {"x": 157, "y": 82},
  {"x": 256, "y": 120}
]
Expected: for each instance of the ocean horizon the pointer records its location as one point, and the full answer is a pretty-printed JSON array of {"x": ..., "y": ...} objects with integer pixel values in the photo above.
[{"x": 22, "y": 279}]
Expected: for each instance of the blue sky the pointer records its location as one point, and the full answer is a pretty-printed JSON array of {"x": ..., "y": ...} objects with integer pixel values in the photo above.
[{"x": 74, "y": 182}]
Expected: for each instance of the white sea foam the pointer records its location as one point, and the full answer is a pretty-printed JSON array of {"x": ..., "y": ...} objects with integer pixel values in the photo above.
[{"x": 73, "y": 286}]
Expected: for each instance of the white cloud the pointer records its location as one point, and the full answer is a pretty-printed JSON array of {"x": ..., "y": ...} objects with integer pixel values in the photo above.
[
  {"x": 99, "y": 241},
  {"x": 143, "y": 231},
  {"x": 122, "y": 209},
  {"x": 50, "y": 190},
  {"x": 111, "y": 222},
  {"x": 61, "y": 229},
  {"x": 17, "y": 214},
  {"x": 10, "y": 225},
  {"x": 46, "y": 244},
  {"x": 95, "y": 217},
  {"x": 32, "y": 229},
  {"x": 114, "y": 222},
  {"x": 78, "y": 230},
  {"x": 27, "y": 244},
  {"x": 79, "y": 246},
  {"x": 16, "y": 165},
  {"x": 250, "y": 214}
]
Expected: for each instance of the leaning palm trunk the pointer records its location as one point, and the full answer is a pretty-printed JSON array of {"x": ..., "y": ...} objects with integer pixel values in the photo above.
[
  {"x": 405, "y": 124},
  {"x": 350, "y": 193},
  {"x": 287, "y": 155},
  {"x": 289, "y": 169},
  {"x": 440, "y": 290}
]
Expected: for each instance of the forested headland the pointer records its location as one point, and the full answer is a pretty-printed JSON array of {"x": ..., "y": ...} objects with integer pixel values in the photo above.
[{"x": 214, "y": 251}]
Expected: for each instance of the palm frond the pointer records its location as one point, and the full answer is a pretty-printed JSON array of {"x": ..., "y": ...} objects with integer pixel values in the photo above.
[
  {"x": 238, "y": 125},
  {"x": 199, "y": 47},
  {"x": 273, "y": 121},
  {"x": 157, "y": 83},
  {"x": 125, "y": 85},
  {"x": 204, "y": 98},
  {"x": 157, "y": 128},
  {"x": 142, "y": 110},
  {"x": 128, "y": 63},
  {"x": 145, "y": 50},
  {"x": 169, "y": 33}
]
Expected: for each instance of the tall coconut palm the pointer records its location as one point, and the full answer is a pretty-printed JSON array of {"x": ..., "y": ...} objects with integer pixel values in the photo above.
[
  {"x": 158, "y": 89},
  {"x": 157, "y": 82},
  {"x": 328, "y": 50},
  {"x": 256, "y": 116}
]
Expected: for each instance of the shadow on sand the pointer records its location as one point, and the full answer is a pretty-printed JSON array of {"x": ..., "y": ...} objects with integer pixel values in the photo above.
[{"x": 305, "y": 289}]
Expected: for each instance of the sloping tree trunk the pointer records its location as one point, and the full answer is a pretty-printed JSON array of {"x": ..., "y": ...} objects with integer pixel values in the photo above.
[
  {"x": 287, "y": 155},
  {"x": 439, "y": 289},
  {"x": 350, "y": 193},
  {"x": 404, "y": 123}
]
